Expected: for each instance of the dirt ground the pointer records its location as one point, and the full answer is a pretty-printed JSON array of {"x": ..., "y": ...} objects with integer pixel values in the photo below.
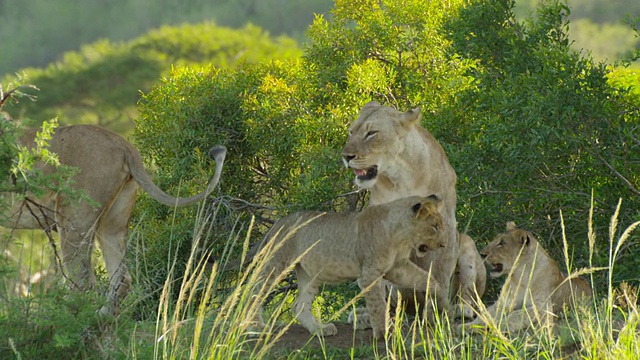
[{"x": 297, "y": 337}]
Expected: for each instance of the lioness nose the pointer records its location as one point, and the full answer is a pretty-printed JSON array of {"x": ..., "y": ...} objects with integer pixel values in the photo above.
[{"x": 348, "y": 157}]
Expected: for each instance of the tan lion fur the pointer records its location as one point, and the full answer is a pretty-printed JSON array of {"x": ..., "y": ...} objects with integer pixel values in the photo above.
[
  {"x": 408, "y": 161},
  {"x": 368, "y": 246},
  {"x": 109, "y": 172},
  {"x": 535, "y": 289},
  {"x": 470, "y": 279}
]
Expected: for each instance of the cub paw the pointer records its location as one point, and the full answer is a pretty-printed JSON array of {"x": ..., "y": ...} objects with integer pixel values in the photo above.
[
  {"x": 328, "y": 330},
  {"x": 360, "y": 319},
  {"x": 466, "y": 311}
]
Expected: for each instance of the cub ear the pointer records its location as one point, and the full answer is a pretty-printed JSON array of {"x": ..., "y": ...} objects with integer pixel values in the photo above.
[
  {"x": 525, "y": 239},
  {"x": 424, "y": 209},
  {"x": 511, "y": 226},
  {"x": 416, "y": 207}
]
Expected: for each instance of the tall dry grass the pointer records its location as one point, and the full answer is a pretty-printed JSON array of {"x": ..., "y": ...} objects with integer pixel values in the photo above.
[{"x": 197, "y": 327}]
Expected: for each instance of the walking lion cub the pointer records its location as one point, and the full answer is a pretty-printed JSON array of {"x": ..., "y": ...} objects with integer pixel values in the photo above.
[{"x": 368, "y": 246}]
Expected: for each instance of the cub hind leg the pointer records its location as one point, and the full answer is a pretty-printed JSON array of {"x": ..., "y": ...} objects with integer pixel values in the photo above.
[{"x": 307, "y": 290}]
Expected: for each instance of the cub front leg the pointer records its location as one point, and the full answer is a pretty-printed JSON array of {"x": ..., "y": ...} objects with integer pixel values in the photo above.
[
  {"x": 408, "y": 275},
  {"x": 376, "y": 304}
]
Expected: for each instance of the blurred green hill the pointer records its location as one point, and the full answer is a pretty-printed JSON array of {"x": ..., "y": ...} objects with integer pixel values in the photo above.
[
  {"x": 597, "y": 26},
  {"x": 101, "y": 83},
  {"x": 37, "y": 32}
]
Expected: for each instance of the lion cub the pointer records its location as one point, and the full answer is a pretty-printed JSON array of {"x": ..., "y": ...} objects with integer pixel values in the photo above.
[
  {"x": 535, "y": 288},
  {"x": 370, "y": 245}
]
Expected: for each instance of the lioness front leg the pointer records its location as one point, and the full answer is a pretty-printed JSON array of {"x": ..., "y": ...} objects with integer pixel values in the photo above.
[
  {"x": 307, "y": 290},
  {"x": 408, "y": 275}
]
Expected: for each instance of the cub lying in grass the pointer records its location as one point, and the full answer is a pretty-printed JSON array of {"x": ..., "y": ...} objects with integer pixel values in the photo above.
[
  {"x": 535, "y": 288},
  {"x": 370, "y": 245}
]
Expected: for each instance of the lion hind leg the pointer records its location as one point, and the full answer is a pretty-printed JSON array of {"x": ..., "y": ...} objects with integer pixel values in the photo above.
[
  {"x": 112, "y": 237},
  {"x": 307, "y": 290},
  {"x": 269, "y": 273},
  {"x": 76, "y": 241},
  {"x": 469, "y": 290}
]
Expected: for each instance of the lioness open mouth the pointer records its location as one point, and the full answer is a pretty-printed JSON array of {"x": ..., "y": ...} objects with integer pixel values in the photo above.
[
  {"x": 497, "y": 268},
  {"x": 366, "y": 174}
]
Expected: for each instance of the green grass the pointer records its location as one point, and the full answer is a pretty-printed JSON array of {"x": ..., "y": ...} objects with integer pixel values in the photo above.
[{"x": 204, "y": 321}]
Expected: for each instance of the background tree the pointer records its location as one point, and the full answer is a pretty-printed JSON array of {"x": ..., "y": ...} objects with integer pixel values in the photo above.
[{"x": 531, "y": 126}]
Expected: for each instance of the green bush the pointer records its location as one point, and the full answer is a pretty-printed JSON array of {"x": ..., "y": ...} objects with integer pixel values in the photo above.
[
  {"x": 543, "y": 128},
  {"x": 284, "y": 123}
]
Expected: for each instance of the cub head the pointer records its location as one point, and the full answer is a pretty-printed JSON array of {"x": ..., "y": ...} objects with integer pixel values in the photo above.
[
  {"x": 375, "y": 140},
  {"x": 427, "y": 230},
  {"x": 501, "y": 253}
]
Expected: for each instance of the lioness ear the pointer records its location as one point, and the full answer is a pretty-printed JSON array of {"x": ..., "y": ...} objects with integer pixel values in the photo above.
[
  {"x": 525, "y": 239},
  {"x": 511, "y": 226},
  {"x": 411, "y": 116}
]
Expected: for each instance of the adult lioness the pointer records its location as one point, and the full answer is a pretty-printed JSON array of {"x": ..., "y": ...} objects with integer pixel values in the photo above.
[
  {"x": 109, "y": 172},
  {"x": 368, "y": 245},
  {"x": 394, "y": 157},
  {"x": 535, "y": 288}
]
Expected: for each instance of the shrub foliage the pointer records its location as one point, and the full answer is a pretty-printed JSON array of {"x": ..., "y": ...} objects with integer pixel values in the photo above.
[{"x": 531, "y": 127}]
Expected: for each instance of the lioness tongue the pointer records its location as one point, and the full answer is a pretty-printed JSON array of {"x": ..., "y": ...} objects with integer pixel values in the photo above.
[{"x": 360, "y": 172}]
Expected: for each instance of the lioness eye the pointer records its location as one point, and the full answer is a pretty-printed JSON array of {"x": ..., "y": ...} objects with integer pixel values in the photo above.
[{"x": 370, "y": 134}]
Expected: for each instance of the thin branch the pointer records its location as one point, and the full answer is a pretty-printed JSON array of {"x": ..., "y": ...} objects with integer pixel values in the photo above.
[{"x": 617, "y": 174}]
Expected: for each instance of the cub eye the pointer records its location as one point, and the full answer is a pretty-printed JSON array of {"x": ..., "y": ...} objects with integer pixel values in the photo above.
[
  {"x": 436, "y": 227},
  {"x": 370, "y": 134}
]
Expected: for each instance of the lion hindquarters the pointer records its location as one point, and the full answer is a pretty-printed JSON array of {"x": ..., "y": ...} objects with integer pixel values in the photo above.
[{"x": 573, "y": 291}]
